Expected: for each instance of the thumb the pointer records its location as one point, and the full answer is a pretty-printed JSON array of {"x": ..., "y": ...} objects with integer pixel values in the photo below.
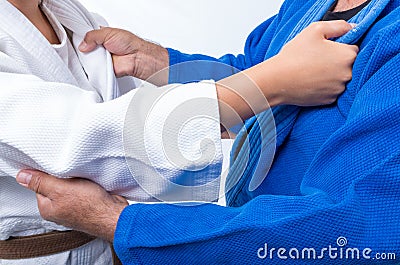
[
  {"x": 37, "y": 181},
  {"x": 93, "y": 39},
  {"x": 335, "y": 28}
]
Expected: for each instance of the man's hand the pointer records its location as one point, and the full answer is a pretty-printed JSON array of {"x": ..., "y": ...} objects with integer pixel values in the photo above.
[
  {"x": 75, "y": 203},
  {"x": 131, "y": 55}
]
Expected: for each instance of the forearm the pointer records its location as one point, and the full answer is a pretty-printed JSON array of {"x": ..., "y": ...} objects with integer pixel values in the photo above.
[
  {"x": 102, "y": 222},
  {"x": 295, "y": 76},
  {"x": 153, "y": 60},
  {"x": 248, "y": 93},
  {"x": 241, "y": 95}
]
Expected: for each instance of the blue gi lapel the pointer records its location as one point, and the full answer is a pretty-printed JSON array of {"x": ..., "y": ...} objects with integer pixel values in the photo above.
[{"x": 251, "y": 153}]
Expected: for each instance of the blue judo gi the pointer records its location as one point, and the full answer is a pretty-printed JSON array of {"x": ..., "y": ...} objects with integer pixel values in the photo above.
[{"x": 335, "y": 181}]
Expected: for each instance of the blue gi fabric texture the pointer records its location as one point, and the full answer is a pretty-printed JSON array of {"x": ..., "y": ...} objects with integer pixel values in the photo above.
[
  {"x": 285, "y": 116},
  {"x": 336, "y": 171}
]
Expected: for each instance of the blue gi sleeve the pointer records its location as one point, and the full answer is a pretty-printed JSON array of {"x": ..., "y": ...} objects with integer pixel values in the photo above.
[
  {"x": 348, "y": 206},
  {"x": 206, "y": 67},
  {"x": 366, "y": 217}
]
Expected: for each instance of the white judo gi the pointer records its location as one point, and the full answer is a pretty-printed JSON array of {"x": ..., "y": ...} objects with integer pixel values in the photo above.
[{"x": 63, "y": 112}]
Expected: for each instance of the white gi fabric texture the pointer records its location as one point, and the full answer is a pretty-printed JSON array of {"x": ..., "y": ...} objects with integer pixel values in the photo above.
[{"x": 53, "y": 121}]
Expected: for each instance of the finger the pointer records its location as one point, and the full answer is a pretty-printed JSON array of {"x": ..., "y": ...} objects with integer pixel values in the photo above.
[
  {"x": 334, "y": 29},
  {"x": 120, "y": 199},
  {"x": 37, "y": 181},
  {"x": 355, "y": 48},
  {"x": 117, "y": 68},
  {"x": 45, "y": 207},
  {"x": 351, "y": 54},
  {"x": 44, "y": 203},
  {"x": 121, "y": 68},
  {"x": 93, "y": 39}
]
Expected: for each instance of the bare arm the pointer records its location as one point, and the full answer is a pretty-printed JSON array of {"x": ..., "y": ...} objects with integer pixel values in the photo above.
[{"x": 298, "y": 75}]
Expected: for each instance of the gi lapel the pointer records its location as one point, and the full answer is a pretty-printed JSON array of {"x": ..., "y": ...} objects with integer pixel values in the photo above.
[
  {"x": 76, "y": 18},
  {"x": 36, "y": 47},
  {"x": 251, "y": 156}
]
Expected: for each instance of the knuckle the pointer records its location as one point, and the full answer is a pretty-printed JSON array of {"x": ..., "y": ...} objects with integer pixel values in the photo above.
[
  {"x": 352, "y": 57},
  {"x": 36, "y": 183},
  {"x": 350, "y": 76},
  {"x": 47, "y": 215},
  {"x": 331, "y": 100},
  {"x": 343, "y": 23},
  {"x": 89, "y": 35},
  {"x": 347, "y": 76},
  {"x": 348, "y": 60},
  {"x": 44, "y": 214},
  {"x": 353, "y": 54},
  {"x": 321, "y": 26},
  {"x": 316, "y": 26},
  {"x": 44, "y": 210}
]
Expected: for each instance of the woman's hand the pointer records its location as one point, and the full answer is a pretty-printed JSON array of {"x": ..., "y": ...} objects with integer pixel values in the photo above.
[{"x": 312, "y": 69}]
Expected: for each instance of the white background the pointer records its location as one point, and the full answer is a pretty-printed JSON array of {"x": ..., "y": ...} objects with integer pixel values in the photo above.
[{"x": 212, "y": 27}]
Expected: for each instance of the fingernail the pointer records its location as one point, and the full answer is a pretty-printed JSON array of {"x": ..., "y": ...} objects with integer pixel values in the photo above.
[
  {"x": 24, "y": 178},
  {"x": 353, "y": 25},
  {"x": 82, "y": 46}
]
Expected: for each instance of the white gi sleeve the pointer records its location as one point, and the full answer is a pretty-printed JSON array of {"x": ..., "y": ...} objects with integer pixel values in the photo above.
[{"x": 150, "y": 144}]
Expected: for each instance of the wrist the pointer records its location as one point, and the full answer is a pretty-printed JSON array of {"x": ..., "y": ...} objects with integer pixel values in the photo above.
[
  {"x": 151, "y": 62},
  {"x": 246, "y": 94},
  {"x": 116, "y": 211},
  {"x": 268, "y": 76},
  {"x": 105, "y": 221}
]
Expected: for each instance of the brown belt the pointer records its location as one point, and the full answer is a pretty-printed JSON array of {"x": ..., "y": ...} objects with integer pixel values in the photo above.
[{"x": 44, "y": 245}]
